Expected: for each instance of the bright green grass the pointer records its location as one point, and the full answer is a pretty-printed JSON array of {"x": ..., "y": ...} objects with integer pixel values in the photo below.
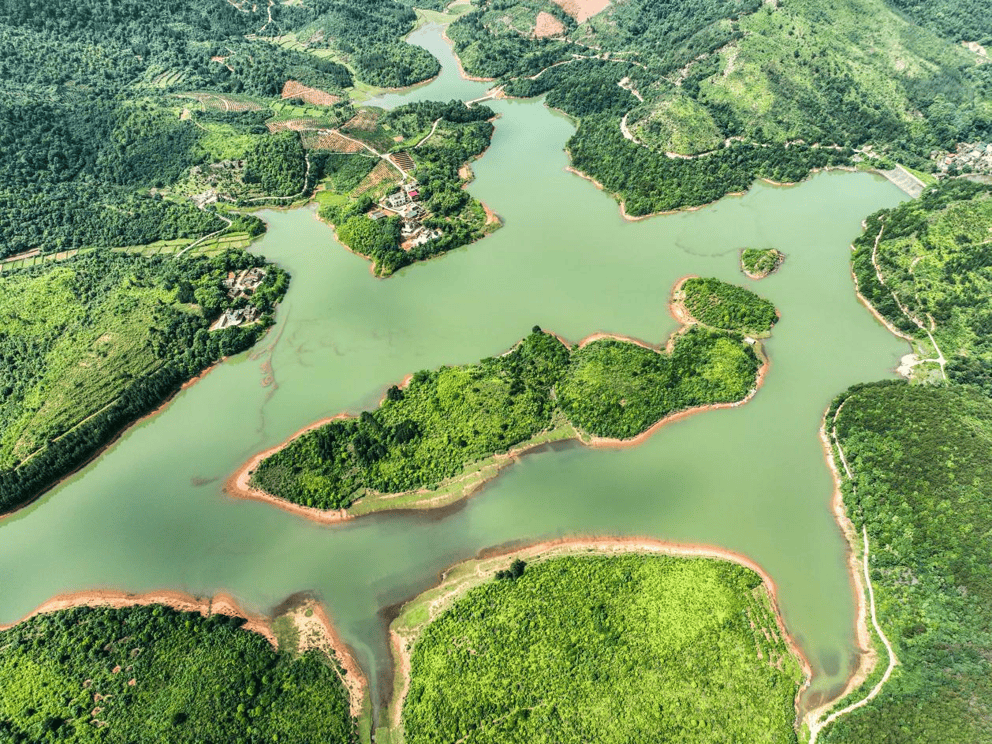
[{"x": 625, "y": 649}]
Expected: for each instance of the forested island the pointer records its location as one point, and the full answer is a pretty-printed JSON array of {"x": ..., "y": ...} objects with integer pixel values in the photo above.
[
  {"x": 923, "y": 267},
  {"x": 446, "y": 431},
  {"x": 91, "y": 343},
  {"x": 126, "y": 669},
  {"x": 757, "y": 263},
  {"x": 724, "y": 306},
  {"x": 410, "y": 205},
  {"x": 594, "y": 641},
  {"x": 680, "y": 104}
]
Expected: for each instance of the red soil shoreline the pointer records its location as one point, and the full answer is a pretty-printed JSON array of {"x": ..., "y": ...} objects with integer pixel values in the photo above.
[
  {"x": 220, "y": 604},
  {"x": 402, "y": 649},
  {"x": 111, "y": 442},
  {"x": 868, "y": 657}
]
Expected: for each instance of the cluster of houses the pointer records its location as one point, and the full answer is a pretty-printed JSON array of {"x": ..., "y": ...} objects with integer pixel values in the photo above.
[
  {"x": 404, "y": 203},
  {"x": 969, "y": 158},
  {"x": 240, "y": 284}
]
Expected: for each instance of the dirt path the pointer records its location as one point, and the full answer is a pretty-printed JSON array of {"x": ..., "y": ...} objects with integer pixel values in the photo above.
[
  {"x": 861, "y": 578},
  {"x": 461, "y": 578},
  {"x": 430, "y": 134},
  {"x": 905, "y": 310}
]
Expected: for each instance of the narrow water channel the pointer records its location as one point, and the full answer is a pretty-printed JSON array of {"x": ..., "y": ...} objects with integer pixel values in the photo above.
[{"x": 151, "y": 513}]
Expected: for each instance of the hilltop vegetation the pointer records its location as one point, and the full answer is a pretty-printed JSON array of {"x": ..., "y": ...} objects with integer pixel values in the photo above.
[
  {"x": 607, "y": 649},
  {"x": 449, "y": 421},
  {"x": 745, "y": 89},
  {"x": 89, "y": 344},
  {"x": 728, "y": 307},
  {"x": 111, "y": 107},
  {"x": 922, "y": 472},
  {"x": 154, "y": 674},
  {"x": 933, "y": 257},
  {"x": 440, "y": 139}
]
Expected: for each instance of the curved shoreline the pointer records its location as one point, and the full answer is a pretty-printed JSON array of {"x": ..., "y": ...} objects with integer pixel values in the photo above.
[
  {"x": 354, "y": 681},
  {"x": 238, "y": 484},
  {"x": 402, "y": 646},
  {"x": 116, "y": 437}
]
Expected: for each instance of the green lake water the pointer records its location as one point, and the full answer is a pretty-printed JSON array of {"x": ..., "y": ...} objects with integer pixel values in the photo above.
[{"x": 150, "y": 513}]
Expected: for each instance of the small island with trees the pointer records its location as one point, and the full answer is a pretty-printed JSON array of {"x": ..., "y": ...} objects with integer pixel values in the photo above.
[
  {"x": 727, "y": 307},
  {"x": 596, "y": 640},
  {"x": 757, "y": 263},
  {"x": 444, "y": 432}
]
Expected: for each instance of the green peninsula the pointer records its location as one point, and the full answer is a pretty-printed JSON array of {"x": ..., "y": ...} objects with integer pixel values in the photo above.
[
  {"x": 678, "y": 104},
  {"x": 450, "y": 429},
  {"x": 394, "y": 181},
  {"x": 923, "y": 266},
  {"x": 151, "y": 673},
  {"x": 916, "y": 472},
  {"x": 90, "y": 344},
  {"x": 573, "y": 646}
]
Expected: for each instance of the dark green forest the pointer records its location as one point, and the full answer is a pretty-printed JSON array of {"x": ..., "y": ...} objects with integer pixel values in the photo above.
[
  {"x": 921, "y": 459},
  {"x": 448, "y": 419},
  {"x": 90, "y": 104},
  {"x": 90, "y": 344},
  {"x": 144, "y": 674}
]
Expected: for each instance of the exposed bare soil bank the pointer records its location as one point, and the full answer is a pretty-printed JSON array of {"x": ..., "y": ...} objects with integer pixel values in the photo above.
[
  {"x": 582, "y": 10},
  {"x": 461, "y": 578}
]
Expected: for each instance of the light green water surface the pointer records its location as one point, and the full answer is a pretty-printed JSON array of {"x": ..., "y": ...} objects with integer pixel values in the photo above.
[{"x": 151, "y": 513}]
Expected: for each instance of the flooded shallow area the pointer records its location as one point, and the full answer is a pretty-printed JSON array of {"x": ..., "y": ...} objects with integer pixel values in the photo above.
[{"x": 151, "y": 514}]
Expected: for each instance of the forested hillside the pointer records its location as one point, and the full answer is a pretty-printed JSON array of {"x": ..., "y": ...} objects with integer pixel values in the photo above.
[
  {"x": 451, "y": 420},
  {"x": 926, "y": 266},
  {"x": 620, "y": 648},
  {"x": 154, "y": 674},
  {"x": 89, "y": 344},
  {"x": 104, "y": 109},
  {"x": 921, "y": 464},
  {"x": 744, "y": 89}
]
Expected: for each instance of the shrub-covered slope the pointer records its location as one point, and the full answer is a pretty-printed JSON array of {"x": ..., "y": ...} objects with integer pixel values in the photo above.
[
  {"x": 89, "y": 344},
  {"x": 921, "y": 460},
  {"x": 606, "y": 649}
]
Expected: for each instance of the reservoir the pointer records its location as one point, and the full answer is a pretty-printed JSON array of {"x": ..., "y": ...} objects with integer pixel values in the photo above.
[{"x": 151, "y": 513}]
